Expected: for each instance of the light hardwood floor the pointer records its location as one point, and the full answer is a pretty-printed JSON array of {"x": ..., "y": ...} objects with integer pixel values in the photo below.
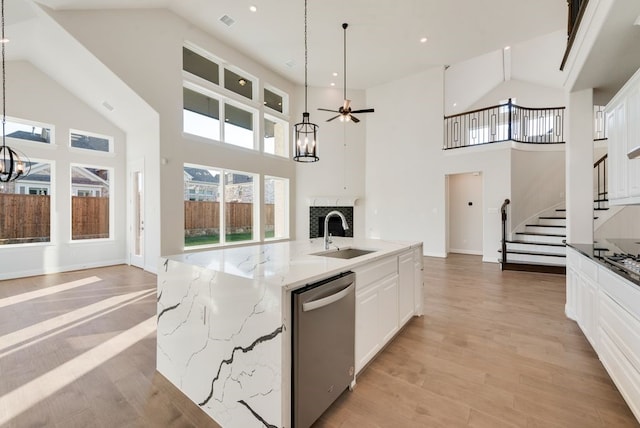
[{"x": 494, "y": 349}]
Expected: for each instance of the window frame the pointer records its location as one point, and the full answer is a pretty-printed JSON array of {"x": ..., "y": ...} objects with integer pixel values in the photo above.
[
  {"x": 110, "y": 139},
  {"x": 52, "y": 211},
  {"x": 112, "y": 198},
  {"x": 257, "y": 204},
  {"x": 27, "y": 122}
]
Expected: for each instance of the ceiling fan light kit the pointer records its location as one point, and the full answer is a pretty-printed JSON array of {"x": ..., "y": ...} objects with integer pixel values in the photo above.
[
  {"x": 345, "y": 113},
  {"x": 306, "y": 133}
]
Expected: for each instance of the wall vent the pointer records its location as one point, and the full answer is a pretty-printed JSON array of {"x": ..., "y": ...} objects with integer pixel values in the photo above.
[{"x": 227, "y": 20}]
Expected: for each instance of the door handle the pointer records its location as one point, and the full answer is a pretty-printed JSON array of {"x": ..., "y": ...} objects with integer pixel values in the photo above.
[{"x": 325, "y": 301}]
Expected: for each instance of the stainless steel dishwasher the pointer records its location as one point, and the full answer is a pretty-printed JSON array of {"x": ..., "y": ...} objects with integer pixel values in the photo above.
[{"x": 323, "y": 351}]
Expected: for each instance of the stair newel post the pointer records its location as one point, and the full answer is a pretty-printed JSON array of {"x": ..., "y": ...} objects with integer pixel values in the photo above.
[
  {"x": 510, "y": 105},
  {"x": 503, "y": 211}
]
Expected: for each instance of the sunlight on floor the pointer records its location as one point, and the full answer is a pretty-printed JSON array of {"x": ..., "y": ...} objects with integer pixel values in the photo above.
[
  {"x": 19, "y": 298},
  {"x": 24, "y": 397},
  {"x": 45, "y": 329}
]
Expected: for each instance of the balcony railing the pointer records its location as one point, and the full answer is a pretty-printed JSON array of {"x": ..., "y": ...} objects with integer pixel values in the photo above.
[
  {"x": 574, "y": 15},
  {"x": 504, "y": 122}
]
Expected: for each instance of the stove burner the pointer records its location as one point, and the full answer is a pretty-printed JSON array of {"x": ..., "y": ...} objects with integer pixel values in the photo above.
[{"x": 629, "y": 263}]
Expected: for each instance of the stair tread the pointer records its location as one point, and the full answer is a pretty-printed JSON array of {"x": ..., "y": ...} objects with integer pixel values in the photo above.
[
  {"x": 552, "y": 218},
  {"x": 541, "y": 234},
  {"x": 544, "y": 225},
  {"x": 533, "y": 253},
  {"x": 601, "y": 209},
  {"x": 561, "y": 209},
  {"x": 548, "y": 244}
]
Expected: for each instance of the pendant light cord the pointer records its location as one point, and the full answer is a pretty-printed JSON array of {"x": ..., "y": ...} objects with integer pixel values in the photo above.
[
  {"x": 305, "y": 55},
  {"x": 344, "y": 60}
]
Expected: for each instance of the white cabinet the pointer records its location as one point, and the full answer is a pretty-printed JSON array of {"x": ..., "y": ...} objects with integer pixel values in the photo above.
[
  {"x": 607, "y": 309},
  {"x": 623, "y": 134},
  {"x": 386, "y": 292},
  {"x": 406, "y": 272}
]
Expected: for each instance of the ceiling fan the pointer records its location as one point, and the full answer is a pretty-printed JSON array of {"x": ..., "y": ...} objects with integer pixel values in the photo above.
[{"x": 345, "y": 113}]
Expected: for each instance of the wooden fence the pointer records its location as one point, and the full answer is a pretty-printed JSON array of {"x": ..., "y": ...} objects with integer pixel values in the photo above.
[
  {"x": 90, "y": 217},
  {"x": 24, "y": 218},
  {"x": 27, "y": 218},
  {"x": 206, "y": 215}
]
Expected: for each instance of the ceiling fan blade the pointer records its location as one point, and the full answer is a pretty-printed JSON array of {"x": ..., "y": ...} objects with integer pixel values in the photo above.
[
  {"x": 326, "y": 109},
  {"x": 346, "y": 105},
  {"x": 334, "y": 117},
  {"x": 354, "y": 119},
  {"x": 365, "y": 110}
]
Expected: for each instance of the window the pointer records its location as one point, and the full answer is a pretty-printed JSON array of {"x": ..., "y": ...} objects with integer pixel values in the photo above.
[
  {"x": 90, "y": 189},
  {"x": 273, "y": 100},
  {"x": 239, "y": 84},
  {"x": 276, "y": 207},
  {"x": 204, "y": 216},
  {"x": 201, "y": 115},
  {"x": 84, "y": 140},
  {"x": 200, "y": 66},
  {"x": 25, "y": 207},
  {"x": 238, "y": 127},
  {"x": 239, "y": 207},
  {"x": 24, "y": 130},
  {"x": 230, "y": 115}
]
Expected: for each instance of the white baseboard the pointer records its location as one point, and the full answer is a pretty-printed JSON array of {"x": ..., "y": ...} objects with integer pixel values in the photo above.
[
  {"x": 471, "y": 252},
  {"x": 59, "y": 269}
]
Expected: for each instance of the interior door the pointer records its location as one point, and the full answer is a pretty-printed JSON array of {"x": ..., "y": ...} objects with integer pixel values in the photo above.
[{"x": 136, "y": 210}]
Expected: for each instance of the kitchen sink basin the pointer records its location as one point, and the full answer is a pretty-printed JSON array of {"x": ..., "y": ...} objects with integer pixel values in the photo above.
[{"x": 344, "y": 253}]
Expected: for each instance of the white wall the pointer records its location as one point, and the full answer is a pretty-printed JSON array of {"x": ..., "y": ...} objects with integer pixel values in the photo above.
[
  {"x": 465, "y": 213},
  {"x": 527, "y": 95},
  {"x": 623, "y": 225},
  {"x": 539, "y": 183},
  {"x": 468, "y": 81},
  {"x": 405, "y": 195},
  {"x": 32, "y": 95},
  {"x": 342, "y": 151}
]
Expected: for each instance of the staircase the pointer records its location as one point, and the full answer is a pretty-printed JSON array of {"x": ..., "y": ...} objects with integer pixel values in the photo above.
[{"x": 540, "y": 247}]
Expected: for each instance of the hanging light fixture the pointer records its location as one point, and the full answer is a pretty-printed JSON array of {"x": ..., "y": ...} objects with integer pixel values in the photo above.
[
  {"x": 12, "y": 165},
  {"x": 306, "y": 139}
]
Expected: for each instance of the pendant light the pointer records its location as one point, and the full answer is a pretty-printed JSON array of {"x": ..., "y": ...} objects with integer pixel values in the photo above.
[
  {"x": 12, "y": 165},
  {"x": 306, "y": 133}
]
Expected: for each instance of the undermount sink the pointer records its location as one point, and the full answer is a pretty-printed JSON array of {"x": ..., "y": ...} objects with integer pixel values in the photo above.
[{"x": 344, "y": 253}]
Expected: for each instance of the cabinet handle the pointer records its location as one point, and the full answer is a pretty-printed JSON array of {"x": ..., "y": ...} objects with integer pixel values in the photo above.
[{"x": 325, "y": 301}]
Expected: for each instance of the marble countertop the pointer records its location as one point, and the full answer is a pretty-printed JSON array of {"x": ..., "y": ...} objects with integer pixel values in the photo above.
[{"x": 290, "y": 264}]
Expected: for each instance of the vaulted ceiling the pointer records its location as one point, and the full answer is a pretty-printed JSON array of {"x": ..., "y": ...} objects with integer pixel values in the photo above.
[{"x": 383, "y": 39}]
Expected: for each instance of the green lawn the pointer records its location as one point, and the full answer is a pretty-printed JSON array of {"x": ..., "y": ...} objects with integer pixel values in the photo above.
[{"x": 215, "y": 239}]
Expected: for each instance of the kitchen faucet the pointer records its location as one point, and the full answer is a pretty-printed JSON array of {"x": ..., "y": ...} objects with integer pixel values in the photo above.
[{"x": 345, "y": 226}]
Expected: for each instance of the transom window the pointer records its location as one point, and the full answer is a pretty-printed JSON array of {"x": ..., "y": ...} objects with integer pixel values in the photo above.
[
  {"x": 89, "y": 141},
  {"x": 28, "y": 131}
]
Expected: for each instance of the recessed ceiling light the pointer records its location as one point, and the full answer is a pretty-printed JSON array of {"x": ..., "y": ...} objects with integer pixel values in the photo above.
[
  {"x": 423, "y": 40},
  {"x": 253, "y": 8},
  {"x": 333, "y": 84},
  {"x": 335, "y": 74},
  {"x": 506, "y": 48},
  {"x": 455, "y": 104}
]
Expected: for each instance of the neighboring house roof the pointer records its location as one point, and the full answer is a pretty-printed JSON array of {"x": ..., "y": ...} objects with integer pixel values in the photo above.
[
  {"x": 201, "y": 175},
  {"x": 88, "y": 142},
  {"x": 24, "y": 135}
]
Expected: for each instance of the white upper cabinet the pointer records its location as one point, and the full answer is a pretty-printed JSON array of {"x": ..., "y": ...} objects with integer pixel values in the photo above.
[{"x": 623, "y": 129}]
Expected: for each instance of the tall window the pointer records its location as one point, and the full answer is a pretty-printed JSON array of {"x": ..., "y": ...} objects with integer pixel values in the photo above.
[
  {"x": 25, "y": 207},
  {"x": 207, "y": 222},
  {"x": 90, "y": 190},
  {"x": 276, "y": 206},
  {"x": 222, "y": 104}
]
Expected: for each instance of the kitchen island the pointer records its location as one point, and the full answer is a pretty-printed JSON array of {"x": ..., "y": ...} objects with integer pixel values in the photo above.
[{"x": 224, "y": 318}]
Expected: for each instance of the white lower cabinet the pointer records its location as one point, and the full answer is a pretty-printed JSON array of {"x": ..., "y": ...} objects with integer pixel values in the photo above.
[
  {"x": 406, "y": 272},
  {"x": 386, "y": 291},
  {"x": 607, "y": 309}
]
